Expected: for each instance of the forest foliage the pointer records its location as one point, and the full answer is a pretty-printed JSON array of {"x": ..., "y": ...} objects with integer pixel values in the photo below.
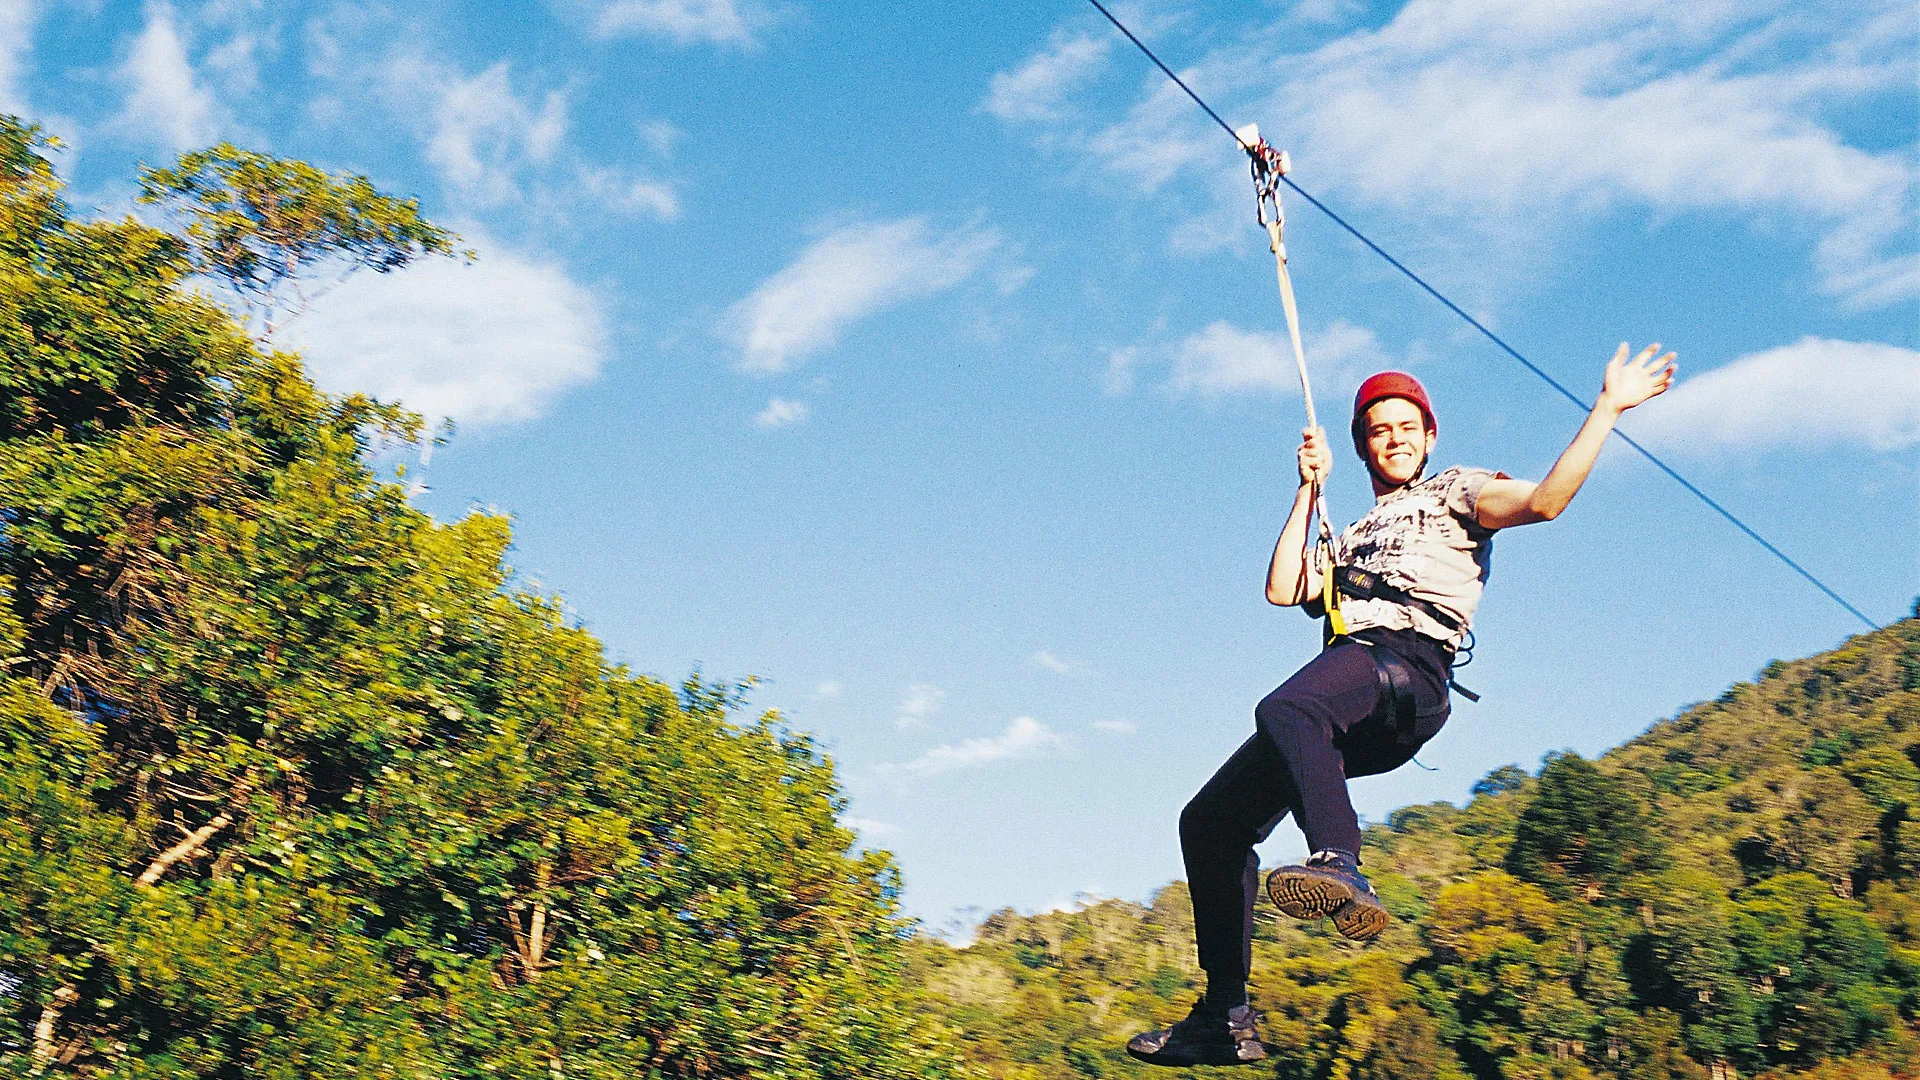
[
  {"x": 298, "y": 781},
  {"x": 1732, "y": 893}
]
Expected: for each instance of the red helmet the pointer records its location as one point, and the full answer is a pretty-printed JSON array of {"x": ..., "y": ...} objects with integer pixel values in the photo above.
[{"x": 1388, "y": 384}]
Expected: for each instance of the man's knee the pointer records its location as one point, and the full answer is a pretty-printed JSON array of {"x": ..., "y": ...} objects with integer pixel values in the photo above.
[
  {"x": 1288, "y": 722},
  {"x": 1200, "y": 822}
]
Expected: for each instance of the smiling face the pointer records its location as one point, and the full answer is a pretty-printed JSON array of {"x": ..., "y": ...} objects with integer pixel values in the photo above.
[{"x": 1398, "y": 440}]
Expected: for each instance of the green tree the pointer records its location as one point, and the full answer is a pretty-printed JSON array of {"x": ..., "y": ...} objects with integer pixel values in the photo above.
[
  {"x": 265, "y": 225},
  {"x": 1583, "y": 832},
  {"x": 1819, "y": 962},
  {"x": 298, "y": 782}
]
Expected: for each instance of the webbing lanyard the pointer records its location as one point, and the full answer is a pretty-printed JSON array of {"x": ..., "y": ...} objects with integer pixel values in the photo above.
[{"x": 1268, "y": 166}]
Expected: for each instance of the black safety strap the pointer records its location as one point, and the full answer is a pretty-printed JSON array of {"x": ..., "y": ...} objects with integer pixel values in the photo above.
[
  {"x": 1396, "y": 694},
  {"x": 1362, "y": 585}
]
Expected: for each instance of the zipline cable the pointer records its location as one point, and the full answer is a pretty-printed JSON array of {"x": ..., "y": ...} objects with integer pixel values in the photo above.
[{"x": 1490, "y": 335}]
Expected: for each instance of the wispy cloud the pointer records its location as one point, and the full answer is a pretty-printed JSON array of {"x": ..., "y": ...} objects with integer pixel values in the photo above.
[
  {"x": 827, "y": 689},
  {"x": 1037, "y": 90},
  {"x": 737, "y": 23},
  {"x": 1813, "y": 392},
  {"x": 1116, "y": 727},
  {"x": 16, "y": 50},
  {"x": 869, "y": 827},
  {"x": 1119, "y": 377},
  {"x": 780, "y": 413},
  {"x": 621, "y": 192},
  {"x": 1506, "y": 117},
  {"x": 165, "y": 100},
  {"x": 479, "y": 132},
  {"x": 486, "y": 344},
  {"x": 1224, "y": 359},
  {"x": 1051, "y": 662},
  {"x": 1025, "y": 737},
  {"x": 919, "y": 705},
  {"x": 847, "y": 275}
]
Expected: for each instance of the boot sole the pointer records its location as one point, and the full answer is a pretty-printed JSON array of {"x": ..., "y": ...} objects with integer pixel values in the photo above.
[
  {"x": 1306, "y": 895},
  {"x": 1361, "y": 921},
  {"x": 1254, "y": 1054}
]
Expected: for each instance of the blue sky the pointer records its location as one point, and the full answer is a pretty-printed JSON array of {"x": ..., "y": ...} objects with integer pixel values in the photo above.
[{"x": 926, "y": 363}]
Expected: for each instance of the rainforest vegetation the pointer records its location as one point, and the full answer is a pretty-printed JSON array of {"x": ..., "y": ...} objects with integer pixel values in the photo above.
[
  {"x": 1732, "y": 893},
  {"x": 297, "y": 781}
]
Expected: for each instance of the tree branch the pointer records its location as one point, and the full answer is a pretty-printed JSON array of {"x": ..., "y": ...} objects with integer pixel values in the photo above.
[
  {"x": 49, "y": 1019},
  {"x": 186, "y": 848}
]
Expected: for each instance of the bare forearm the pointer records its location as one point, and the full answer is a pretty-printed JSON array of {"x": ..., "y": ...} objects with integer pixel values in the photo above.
[
  {"x": 1563, "y": 481},
  {"x": 1288, "y": 582}
]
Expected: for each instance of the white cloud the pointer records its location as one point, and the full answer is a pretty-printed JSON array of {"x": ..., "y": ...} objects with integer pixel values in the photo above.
[
  {"x": 923, "y": 700},
  {"x": 1224, "y": 359},
  {"x": 781, "y": 413},
  {"x": 16, "y": 48},
  {"x": 868, "y": 827},
  {"x": 1037, "y": 90},
  {"x": 828, "y": 688},
  {"x": 660, "y": 136},
  {"x": 686, "y": 22},
  {"x": 1051, "y": 662},
  {"x": 237, "y": 62},
  {"x": 486, "y": 344},
  {"x": 1118, "y": 379},
  {"x": 1116, "y": 727},
  {"x": 492, "y": 139},
  {"x": 1023, "y": 738},
  {"x": 1507, "y": 116},
  {"x": 848, "y": 274},
  {"x": 166, "y": 102},
  {"x": 1813, "y": 392},
  {"x": 479, "y": 133},
  {"x": 613, "y": 189}
]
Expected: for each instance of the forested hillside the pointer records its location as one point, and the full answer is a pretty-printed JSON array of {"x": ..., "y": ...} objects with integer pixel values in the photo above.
[
  {"x": 296, "y": 781},
  {"x": 1731, "y": 893}
]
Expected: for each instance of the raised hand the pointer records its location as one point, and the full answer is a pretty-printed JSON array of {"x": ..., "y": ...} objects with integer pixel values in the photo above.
[
  {"x": 1630, "y": 382},
  {"x": 1315, "y": 459}
]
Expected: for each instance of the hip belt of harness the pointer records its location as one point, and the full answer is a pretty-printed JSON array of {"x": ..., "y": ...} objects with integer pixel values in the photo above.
[{"x": 1362, "y": 585}]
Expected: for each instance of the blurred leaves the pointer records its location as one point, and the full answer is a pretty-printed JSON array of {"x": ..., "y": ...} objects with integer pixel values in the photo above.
[
  {"x": 400, "y": 817},
  {"x": 1730, "y": 894}
]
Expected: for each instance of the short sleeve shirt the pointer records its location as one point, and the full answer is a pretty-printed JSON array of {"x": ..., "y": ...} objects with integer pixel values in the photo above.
[{"x": 1424, "y": 540}]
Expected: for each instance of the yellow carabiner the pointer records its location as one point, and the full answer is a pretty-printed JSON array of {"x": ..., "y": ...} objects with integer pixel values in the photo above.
[{"x": 1330, "y": 594}]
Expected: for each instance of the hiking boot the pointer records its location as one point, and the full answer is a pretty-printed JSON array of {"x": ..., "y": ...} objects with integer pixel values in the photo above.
[
  {"x": 1330, "y": 884},
  {"x": 1208, "y": 1036}
]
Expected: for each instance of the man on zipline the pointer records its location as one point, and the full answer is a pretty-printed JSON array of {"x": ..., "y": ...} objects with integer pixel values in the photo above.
[{"x": 1407, "y": 578}]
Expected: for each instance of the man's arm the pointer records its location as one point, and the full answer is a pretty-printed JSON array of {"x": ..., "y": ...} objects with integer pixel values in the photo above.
[
  {"x": 1505, "y": 503},
  {"x": 1288, "y": 582}
]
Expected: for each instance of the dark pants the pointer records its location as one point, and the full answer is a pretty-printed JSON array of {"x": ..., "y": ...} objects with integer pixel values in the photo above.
[{"x": 1316, "y": 730}]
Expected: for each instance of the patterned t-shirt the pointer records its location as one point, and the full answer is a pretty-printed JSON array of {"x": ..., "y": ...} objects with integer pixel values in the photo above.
[{"x": 1423, "y": 539}]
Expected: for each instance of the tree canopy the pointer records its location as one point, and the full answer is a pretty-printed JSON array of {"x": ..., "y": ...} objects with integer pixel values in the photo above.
[{"x": 297, "y": 781}]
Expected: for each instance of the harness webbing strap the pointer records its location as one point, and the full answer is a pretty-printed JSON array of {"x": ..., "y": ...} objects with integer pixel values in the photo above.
[
  {"x": 1362, "y": 585},
  {"x": 1396, "y": 704}
]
